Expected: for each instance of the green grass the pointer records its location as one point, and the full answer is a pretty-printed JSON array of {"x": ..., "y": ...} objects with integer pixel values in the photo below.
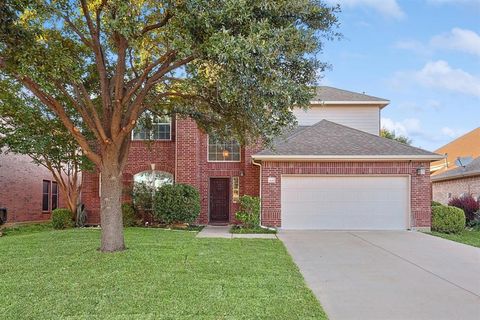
[
  {"x": 163, "y": 275},
  {"x": 27, "y": 228},
  {"x": 470, "y": 237},
  {"x": 238, "y": 229}
]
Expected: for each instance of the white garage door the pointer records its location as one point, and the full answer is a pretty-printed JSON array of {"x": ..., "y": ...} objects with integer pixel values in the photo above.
[{"x": 345, "y": 203}]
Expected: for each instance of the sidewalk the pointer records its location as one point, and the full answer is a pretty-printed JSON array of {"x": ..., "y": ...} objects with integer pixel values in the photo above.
[{"x": 224, "y": 232}]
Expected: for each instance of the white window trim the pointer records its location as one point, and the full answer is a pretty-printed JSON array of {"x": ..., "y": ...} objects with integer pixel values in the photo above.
[
  {"x": 151, "y": 133},
  {"x": 208, "y": 153}
]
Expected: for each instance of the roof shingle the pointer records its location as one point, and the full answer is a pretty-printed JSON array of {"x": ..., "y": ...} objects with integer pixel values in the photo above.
[
  {"x": 327, "y": 138},
  {"x": 330, "y": 94}
]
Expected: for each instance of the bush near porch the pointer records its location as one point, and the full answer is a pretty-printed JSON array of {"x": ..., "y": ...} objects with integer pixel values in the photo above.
[{"x": 249, "y": 214}]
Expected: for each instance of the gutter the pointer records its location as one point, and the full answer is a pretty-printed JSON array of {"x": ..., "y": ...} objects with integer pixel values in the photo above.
[
  {"x": 347, "y": 158},
  {"x": 380, "y": 103},
  {"x": 456, "y": 176}
]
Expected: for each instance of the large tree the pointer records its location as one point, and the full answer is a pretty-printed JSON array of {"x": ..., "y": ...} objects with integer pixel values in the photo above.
[{"x": 235, "y": 66}]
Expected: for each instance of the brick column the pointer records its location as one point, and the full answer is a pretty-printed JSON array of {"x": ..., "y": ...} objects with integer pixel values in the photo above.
[
  {"x": 251, "y": 171},
  {"x": 187, "y": 152}
]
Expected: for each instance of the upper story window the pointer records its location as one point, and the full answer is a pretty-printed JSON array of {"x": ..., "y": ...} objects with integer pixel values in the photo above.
[
  {"x": 219, "y": 150},
  {"x": 153, "y": 127}
]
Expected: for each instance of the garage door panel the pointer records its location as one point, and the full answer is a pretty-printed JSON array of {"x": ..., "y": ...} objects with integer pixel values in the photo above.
[{"x": 370, "y": 203}]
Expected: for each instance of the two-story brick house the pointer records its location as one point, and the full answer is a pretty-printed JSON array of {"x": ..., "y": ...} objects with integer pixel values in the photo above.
[{"x": 332, "y": 172}]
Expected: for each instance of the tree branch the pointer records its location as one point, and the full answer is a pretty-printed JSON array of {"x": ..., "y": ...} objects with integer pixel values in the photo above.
[
  {"x": 82, "y": 92},
  {"x": 136, "y": 105},
  {"x": 122, "y": 45},
  {"x": 158, "y": 25},
  {"x": 82, "y": 37},
  {"x": 168, "y": 55},
  {"x": 99, "y": 57},
  {"x": 57, "y": 108},
  {"x": 80, "y": 109}
]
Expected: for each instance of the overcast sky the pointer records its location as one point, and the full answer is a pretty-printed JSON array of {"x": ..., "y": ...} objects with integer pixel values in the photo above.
[{"x": 422, "y": 55}]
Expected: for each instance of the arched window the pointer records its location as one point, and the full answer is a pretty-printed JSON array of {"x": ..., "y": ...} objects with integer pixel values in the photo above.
[{"x": 153, "y": 178}]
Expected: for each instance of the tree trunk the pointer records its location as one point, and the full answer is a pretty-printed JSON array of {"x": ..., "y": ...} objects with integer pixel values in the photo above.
[
  {"x": 111, "y": 207},
  {"x": 72, "y": 200}
]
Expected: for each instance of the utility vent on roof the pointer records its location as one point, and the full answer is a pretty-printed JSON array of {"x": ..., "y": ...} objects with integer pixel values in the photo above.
[{"x": 463, "y": 161}]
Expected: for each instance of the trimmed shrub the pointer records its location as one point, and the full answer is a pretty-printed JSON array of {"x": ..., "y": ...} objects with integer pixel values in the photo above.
[
  {"x": 142, "y": 195},
  {"x": 249, "y": 214},
  {"x": 177, "y": 203},
  {"x": 448, "y": 219},
  {"x": 128, "y": 215},
  {"x": 62, "y": 219},
  {"x": 435, "y": 203},
  {"x": 468, "y": 204}
]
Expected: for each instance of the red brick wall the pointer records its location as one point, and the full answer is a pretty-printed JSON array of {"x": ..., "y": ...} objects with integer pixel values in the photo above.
[
  {"x": 420, "y": 184},
  {"x": 456, "y": 187},
  {"x": 21, "y": 183},
  {"x": 209, "y": 170},
  {"x": 140, "y": 157},
  {"x": 188, "y": 162}
]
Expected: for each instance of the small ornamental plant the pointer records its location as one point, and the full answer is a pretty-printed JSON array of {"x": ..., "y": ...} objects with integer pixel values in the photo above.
[
  {"x": 249, "y": 214},
  {"x": 468, "y": 204},
  {"x": 62, "y": 219}
]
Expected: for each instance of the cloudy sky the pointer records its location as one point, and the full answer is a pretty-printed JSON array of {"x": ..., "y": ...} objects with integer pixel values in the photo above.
[{"x": 422, "y": 55}]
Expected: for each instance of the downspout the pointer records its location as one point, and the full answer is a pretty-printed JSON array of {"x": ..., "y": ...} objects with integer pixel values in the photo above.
[
  {"x": 260, "y": 189},
  {"x": 260, "y": 194},
  {"x": 176, "y": 155}
]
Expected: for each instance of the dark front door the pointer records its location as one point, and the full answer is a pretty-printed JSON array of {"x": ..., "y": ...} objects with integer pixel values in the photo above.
[{"x": 219, "y": 199}]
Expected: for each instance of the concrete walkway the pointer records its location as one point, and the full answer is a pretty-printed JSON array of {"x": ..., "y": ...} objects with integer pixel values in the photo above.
[
  {"x": 388, "y": 275},
  {"x": 224, "y": 232}
]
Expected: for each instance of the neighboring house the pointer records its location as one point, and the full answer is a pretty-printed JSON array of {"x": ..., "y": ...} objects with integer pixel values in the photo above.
[
  {"x": 28, "y": 191},
  {"x": 332, "y": 172},
  {"x": 459, "y": 173}
]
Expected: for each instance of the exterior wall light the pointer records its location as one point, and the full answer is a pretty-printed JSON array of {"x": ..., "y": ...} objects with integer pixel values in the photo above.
[{"x": 421, "y": 170}]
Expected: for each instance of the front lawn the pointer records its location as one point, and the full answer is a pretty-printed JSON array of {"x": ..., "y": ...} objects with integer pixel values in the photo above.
[
  {"x": 163, "y": 275},
  {"x": 470, "y": 237}
]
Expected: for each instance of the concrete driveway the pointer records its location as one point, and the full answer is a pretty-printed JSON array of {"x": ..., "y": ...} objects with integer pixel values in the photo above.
[{"x": 388, "y": 275}]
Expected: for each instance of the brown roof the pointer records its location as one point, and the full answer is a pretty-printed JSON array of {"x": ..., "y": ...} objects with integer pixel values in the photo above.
[
  {"x": 467, "y": 145},
  {"x": 330, "y": 94},
  {"x": 327, "y": 138}
]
